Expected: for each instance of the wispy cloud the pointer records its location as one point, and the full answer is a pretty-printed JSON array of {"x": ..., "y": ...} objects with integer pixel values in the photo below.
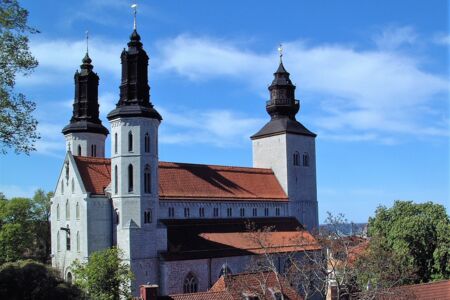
[
  {"x": 366, "y": 94},
  {"x": 220, "y": 128},
  {"x": 393, "y": 37}
]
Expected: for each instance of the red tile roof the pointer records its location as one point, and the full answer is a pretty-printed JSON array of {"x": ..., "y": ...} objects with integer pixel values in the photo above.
[
  {"x": 192, "y": 182},
  {"x": 438, "y": 290},
  {"x": 273, "y": 242},
  {"x": 95, "y": 172},
  {"x": 222, "y": 295},
  {"x": 252, "y": 283}
]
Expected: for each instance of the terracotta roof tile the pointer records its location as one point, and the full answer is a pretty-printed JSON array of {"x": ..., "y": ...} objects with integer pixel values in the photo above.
[
  {"x": 438, "y": 290},
  {"x": 250, "y": 283},
  {"x": 221, "y": 295},
  {"x": 192, "y": 182},
  {"x": 95, "y": 172}
]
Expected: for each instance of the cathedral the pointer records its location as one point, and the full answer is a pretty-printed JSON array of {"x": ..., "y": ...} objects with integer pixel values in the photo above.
[{"x": 179, "y": 225}]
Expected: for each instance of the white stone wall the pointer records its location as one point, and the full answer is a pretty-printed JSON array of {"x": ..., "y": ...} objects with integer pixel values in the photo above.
[
  {"x": 299, "y": 182},
  {"x": 134, "y": 237},
  {"x": 85, "y": 140},
  {"x": 194, "y": 208}
]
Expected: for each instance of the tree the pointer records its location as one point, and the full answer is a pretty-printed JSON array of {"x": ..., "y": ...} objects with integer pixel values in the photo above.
[
  {"x": 17, "y": 125},
  {"x": 419, "y": 233},
  {"x": 33, "y": 280},
  {"x": 104, "y": 276},
  {"x": 25, "y": 228}
]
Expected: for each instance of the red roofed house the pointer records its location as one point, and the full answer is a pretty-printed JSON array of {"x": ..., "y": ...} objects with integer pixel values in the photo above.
[{"x": 179, "y": 225}]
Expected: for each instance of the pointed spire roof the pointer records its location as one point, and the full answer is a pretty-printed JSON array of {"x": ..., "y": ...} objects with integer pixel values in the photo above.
[
  {"x": 85, "y": 115},
  {"x": 282, "y": 106},
  {"x": 134, "y": 89}
]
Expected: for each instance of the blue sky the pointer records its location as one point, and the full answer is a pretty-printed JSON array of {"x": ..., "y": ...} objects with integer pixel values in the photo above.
[{"x": 372, "y": 78}]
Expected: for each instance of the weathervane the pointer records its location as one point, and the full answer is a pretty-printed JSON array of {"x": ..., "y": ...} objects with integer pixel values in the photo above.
[
  {"x": 87, "y": 41},
  {"x": 134, "y": 7},
  {"x": 280, "y": 50}
]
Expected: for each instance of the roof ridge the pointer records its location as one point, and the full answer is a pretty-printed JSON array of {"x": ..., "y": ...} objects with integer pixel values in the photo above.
[
  {"x": 254, "y": 170},
  {"x": 207, "y": 292}
]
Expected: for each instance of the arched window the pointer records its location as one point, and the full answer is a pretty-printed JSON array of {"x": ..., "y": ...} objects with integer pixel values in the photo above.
[
  {"x": 117, "y": 216},
  {"x": 190, "y": 284},
  {"x": 73, "y": 185},
  {"x": 130, "y": 178},
  {"x": 67, "y": 210},
  {"x": 79, "y": 150},
  {"x": 77, "y": 211},
  {"x": 147, "y": 182},
  {"x": 115, "y": 180},
  {"x": 148, "y": 216},
  {"x": 147, "y": 143},
  {"x": 115, "y": 143},
  {"x": 94, "y": 150},
  {"x": 69, "y": 277},
  {"x": 68, "y": 238},
  {"x": 78, "y": 241},
  {"x": 58, "y": 244},
  {"x": 306, "y": 159},
  {"x": 57, "y": 211},
  {"x": 130, "y": 141},
  {"x": 296, "y": 159},
  {"x": 62, "y": 187},
  {"x": 225, "y": 270},
  {"x": 242, "y": 212}
]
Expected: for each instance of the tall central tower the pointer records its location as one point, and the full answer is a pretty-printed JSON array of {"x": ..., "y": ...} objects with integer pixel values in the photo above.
[
  {"x": 134, "y": 164},
  {"x": 288, "y": 148}
]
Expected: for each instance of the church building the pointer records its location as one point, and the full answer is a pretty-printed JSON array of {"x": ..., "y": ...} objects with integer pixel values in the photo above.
[{"x": 179, "y": 225}]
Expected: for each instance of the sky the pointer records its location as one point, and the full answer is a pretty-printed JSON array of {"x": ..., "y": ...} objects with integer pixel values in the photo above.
[{"x": 372, "y": 78}]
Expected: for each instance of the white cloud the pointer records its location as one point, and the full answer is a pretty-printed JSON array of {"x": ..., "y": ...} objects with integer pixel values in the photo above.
[
  {"x": 55, "y": 65},
  {"x": 220, "y": 128},
  {"x": 442, "y": 39},
  {"x": 366, "y": 94},
  {"x": 393, "y": 37}
]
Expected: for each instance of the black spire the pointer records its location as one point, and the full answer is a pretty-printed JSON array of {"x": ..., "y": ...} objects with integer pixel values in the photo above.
[
  {"x": 134, "y": 89},
  {"x": 282, "y": 107},
  {"x": 85, "y": 117}
]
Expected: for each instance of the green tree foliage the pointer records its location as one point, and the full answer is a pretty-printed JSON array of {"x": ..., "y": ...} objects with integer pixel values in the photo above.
[
  {"x": 25, "y": 228},
  {"x": 105, "y": 276},
  {"x": 32, "y": 280},
  {"x": 419, "y": 234},
  {"x": 17, "y": 125}
]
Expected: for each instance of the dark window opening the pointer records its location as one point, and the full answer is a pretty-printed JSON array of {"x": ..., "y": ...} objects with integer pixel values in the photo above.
[
  {"x": 147, "y": 143},
  {"x": 147, "y": 182},
  {"x": 130, "y": 141},
  {"x": 130, "y": 178}
]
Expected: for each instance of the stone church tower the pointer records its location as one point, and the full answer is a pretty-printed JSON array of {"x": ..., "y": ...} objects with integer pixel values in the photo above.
[
  {"x": 288, "y": 148},
  {"x": 85, "y": 135},
  {"x": 134, "y": 165}
]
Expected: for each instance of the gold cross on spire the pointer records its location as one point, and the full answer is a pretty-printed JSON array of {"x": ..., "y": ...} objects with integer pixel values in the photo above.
[
  {"x": 134, "y": 7},
  {"x": 280, "y": 50}
]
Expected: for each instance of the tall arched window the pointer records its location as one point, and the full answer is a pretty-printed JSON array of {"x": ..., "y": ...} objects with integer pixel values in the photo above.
[
  {"x": 78, "y": 241},
  {"x": 115, "y": 143},
  {"x": 148, "y": 216},
  {"x": 115, "y": 180},
  {"x": 77, "y": 211},
  {"x": 296, "y": 159},
  {"x": 130, "y": 178},
  {"x": 117, "y": 216},
  {"x": 73, "y": 185},
  {"x": 190, "y": 284},
  {"x": 69, "y": 277},
  {"x": 58, "y": 243},
  {"x": 130, "y": 141},
  {"x": 68, "y": 238},
  {"x": 147, "y": 143},
  {"x": 79, "y": 150},
  {"x": 147, "y": 182},
  {"x": 57, "y": 211},
  {"x": 67, "y": 210},
  {"x": 62, "y": 187},
  {"x": 94, "y": 150},
  {"x": 306, "y": 159}
]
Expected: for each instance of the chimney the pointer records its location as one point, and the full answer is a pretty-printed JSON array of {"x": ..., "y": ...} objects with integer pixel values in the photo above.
[{"x": 149, "y": 291}]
